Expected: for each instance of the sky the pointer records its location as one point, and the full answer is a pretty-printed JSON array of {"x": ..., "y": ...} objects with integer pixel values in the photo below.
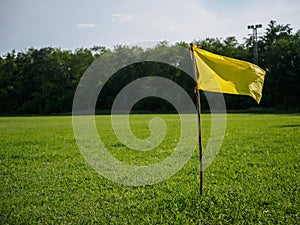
[{"x": 71, "y": 24}]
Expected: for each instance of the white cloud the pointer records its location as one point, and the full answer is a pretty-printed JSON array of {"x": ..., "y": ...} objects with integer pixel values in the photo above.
[
  {"x": 164, "y": 20},
  {"x": 122, "y": 17},
  {"x": 85, "y": 25},
  {"x": 128, "y": 21},
  {"x": 197, "y": 19}
]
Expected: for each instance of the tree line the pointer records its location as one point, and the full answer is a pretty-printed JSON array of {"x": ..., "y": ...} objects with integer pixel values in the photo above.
[{"x": 43, "y": 81}]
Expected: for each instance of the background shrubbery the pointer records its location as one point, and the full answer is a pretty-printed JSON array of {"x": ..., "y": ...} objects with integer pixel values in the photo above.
[{"x": 43, "y": 81}]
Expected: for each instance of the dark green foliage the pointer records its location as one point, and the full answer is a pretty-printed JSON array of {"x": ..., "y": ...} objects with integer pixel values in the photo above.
[
  {"x": 281, "y": 57},
  {"x": 43, "y": 81}
]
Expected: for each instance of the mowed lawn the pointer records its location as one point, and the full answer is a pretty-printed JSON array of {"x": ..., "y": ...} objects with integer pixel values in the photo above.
[{"x": 255, "y": 178}]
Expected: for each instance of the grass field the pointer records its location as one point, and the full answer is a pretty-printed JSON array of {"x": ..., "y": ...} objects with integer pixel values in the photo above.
[{"x": 255, "y": 178}]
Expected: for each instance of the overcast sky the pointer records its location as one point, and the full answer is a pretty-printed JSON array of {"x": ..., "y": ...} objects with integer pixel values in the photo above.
[{"x": 72, "y": 24}]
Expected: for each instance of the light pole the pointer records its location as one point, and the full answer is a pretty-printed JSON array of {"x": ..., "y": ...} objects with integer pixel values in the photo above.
[{"x": 254, "y": 38}]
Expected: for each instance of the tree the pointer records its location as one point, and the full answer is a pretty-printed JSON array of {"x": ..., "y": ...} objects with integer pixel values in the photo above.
[
  {"x": 280, "y": 55},
  {"x": 43, "y": 81}
]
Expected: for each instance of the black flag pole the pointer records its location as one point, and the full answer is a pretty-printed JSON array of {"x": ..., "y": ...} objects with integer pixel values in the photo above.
[{"x": 196, "y": 75}]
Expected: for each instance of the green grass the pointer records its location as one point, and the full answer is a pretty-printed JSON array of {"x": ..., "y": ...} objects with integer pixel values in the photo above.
[{"x": 254, "y": 179}]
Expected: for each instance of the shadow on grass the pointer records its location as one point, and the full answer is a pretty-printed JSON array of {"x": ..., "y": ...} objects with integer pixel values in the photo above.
[{"x": 288, "y": 126}]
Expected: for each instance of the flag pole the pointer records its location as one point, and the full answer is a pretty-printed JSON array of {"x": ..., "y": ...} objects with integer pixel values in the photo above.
[{"x": 196, "y": 75}]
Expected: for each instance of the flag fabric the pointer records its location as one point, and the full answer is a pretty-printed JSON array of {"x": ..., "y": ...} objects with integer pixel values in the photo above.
[{"x": 228, "y": 75}]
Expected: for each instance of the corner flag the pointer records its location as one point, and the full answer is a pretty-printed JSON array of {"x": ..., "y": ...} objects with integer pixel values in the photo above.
[{"x": 228, "y": 75}]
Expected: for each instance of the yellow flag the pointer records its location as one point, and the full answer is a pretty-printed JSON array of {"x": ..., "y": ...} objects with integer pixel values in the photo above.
[{"x": 227, "y": 75}]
